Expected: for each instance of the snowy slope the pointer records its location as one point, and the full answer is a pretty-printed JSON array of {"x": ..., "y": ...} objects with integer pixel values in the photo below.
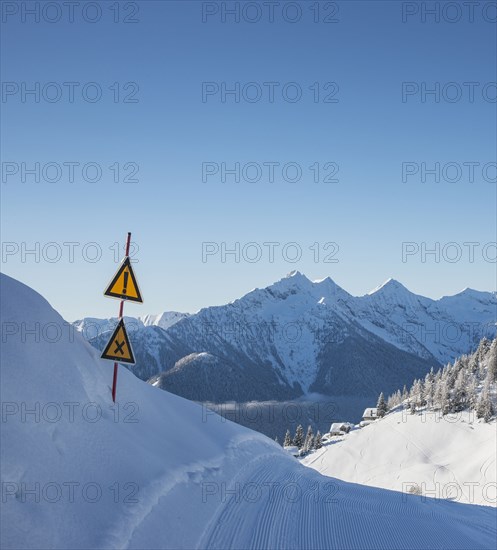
[
  {"x": 446, "y": 457},
  {"x": 163, "y": 320},
  {"x": 195, "y": 481}
]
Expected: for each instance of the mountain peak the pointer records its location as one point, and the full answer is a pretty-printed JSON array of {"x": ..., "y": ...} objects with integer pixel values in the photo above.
[
  {"x": 390, "y": 286},
  {"x": 313, "y": 290},
  {"x": 295, "y": 278},
  {"x": 326, "y": 280},
  {"x": 295, "y": 274},
  {"x": 472, "y": 293}
]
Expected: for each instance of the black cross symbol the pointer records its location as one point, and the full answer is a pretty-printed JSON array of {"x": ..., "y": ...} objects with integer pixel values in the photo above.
[{"x": 119, "y": 347}]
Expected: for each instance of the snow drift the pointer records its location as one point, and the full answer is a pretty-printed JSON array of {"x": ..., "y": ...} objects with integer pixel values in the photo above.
[
  {"x": 451, "y": 457},
  {"x": 156, "y": 471}
]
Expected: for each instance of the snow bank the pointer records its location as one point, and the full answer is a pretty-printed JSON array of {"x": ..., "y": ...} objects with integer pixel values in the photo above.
[
  {"x": 147, "y": 447},
  {"x": 450, "y": 457}
]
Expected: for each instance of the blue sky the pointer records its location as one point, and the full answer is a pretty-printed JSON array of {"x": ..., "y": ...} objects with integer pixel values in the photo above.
[{"x": 170, "y": 131}]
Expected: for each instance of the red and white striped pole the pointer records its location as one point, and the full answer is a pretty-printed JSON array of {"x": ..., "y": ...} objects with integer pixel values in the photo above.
[{"x": 121, "y": 306}]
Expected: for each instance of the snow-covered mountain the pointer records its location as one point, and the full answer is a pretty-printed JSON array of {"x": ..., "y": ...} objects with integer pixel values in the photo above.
[
  {"x": 298, "y": 336},
  {"x": 79, "y": 472},
  {"x": 444, "y": 328},
  {"x": 91, "y": 327}
]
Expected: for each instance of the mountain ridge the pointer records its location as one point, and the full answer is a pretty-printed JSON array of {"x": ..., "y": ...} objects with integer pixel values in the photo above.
[{"x": 298, "y": 336}]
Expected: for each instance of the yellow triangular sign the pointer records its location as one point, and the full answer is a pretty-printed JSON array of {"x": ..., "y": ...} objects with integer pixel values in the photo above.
[
  {"x": 119, "y": 347},
  {"x": 124, "y": 285}
]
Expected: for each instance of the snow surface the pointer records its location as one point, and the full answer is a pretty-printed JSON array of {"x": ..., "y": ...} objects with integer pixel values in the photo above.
[
  {"x": 450, "y": 457},
  {"x": 194, "y": 479}
]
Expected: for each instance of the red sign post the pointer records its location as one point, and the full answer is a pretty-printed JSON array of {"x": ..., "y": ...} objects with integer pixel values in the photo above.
[
  {"x": 121, "y": 307},
  {"x": 123, "y": 286}
]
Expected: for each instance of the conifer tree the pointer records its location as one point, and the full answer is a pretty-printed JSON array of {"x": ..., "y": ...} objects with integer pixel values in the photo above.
[
  {"x": 445, "y": 399},
  {"x": 381, "y": 406},
  {"x": 437, "y": 390},
  {"x": 492, "y": 362},
  {"x": 472, "y": 394},
  {"x": 298, "y": 440},
  {"x": 485, "y": 408},
  {"x": 309, "y": 440},
  {"x": 398, "y": 397},
  {"x": 460, "y": 396},
  {"x": 429, "y": 388}
]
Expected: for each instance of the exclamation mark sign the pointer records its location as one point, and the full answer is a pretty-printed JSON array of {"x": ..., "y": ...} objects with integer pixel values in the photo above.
[{"x": 125, "y": 284}]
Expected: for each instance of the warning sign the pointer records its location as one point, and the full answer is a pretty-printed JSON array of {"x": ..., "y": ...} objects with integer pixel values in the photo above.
[
  {"x": 119, "y": 347},
  {"x": 124, "y": 285}
]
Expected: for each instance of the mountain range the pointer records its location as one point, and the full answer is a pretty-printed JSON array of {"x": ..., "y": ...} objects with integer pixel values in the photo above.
[{"x": 297, "y": 336}]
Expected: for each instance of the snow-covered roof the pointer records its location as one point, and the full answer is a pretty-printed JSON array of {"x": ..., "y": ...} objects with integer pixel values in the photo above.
[
  {"x": 339, "y": 426},
  {"x": 371, "y": 411}
]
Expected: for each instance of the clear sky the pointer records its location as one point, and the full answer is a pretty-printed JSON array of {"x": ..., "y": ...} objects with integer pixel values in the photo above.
[{"x": 163, "y": 113}]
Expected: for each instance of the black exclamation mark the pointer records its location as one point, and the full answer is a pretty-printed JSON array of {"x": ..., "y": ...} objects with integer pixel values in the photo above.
[{"x": 126, "y": 275}]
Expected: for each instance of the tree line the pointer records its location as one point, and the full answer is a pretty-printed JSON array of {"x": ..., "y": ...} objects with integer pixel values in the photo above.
[
  {"x": 305, "y": 444},
  {"x": 467, "y": 384}
]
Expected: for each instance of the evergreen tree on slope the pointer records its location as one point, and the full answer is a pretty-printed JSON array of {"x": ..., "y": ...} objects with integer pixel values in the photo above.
[{"x": 381, "y": 406}]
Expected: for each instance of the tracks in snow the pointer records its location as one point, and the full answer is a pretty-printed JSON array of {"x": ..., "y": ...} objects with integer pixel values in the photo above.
[{"x": 293, "y": 507}]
